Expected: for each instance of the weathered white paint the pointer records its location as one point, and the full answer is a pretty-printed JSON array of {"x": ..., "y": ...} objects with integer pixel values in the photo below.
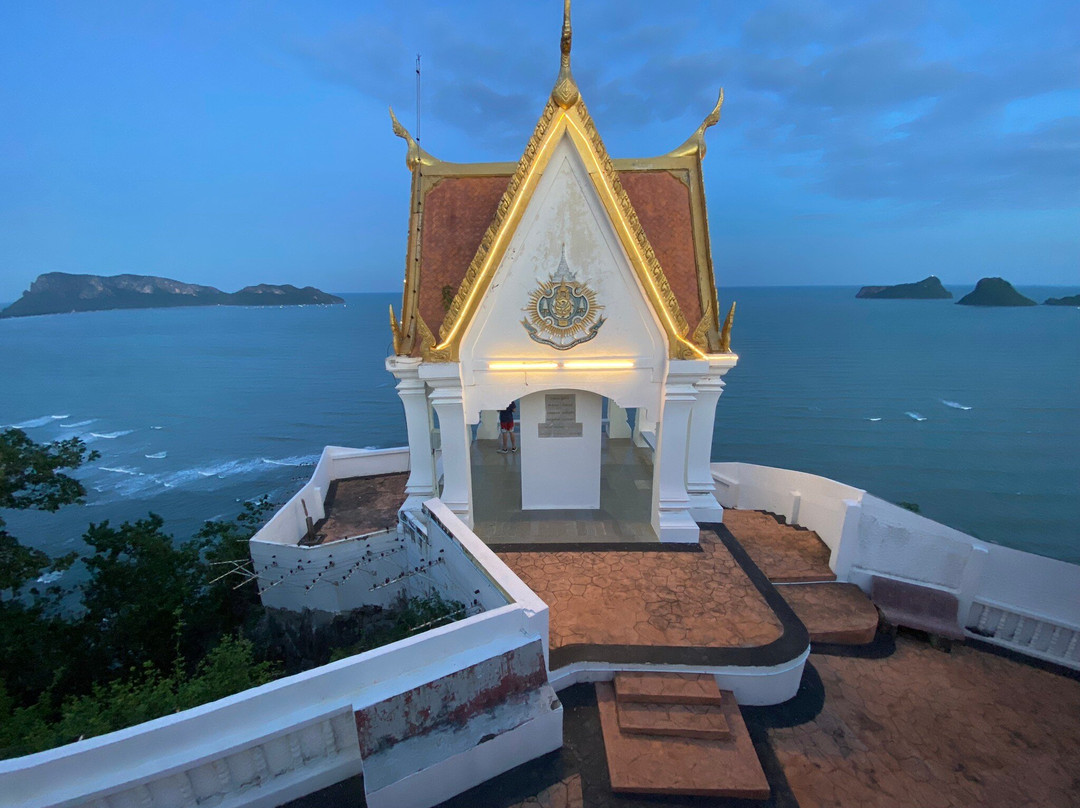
[
  {"x": 1018, "y": 600},
  {"x": 560, "y": 472}
]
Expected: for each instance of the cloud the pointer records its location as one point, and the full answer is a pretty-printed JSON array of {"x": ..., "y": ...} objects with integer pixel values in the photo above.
[{"x": 899, "y": 102}]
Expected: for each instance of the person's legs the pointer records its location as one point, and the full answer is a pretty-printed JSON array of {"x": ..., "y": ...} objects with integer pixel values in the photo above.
[{"x": 513, "y": 438}]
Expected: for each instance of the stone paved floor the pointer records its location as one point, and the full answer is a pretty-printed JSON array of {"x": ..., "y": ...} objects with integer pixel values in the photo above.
[
  {"x": 784, "y": 553},
  {"x": 929, "y": 729},
  {"x": 362, "y": 505},
  {"x": 625, "y": 500},
  {"x": 648, "y": 598}
]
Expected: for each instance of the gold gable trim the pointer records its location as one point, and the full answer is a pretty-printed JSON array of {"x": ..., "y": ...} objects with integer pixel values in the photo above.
[{"x": 578, "y": 124}]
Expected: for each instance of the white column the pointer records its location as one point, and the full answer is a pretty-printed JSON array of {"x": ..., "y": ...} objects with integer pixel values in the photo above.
[
  {"x": 671, "y": 517},
  {"x": 444, "y": 379},
  {"x": 699, "y": 482},
  {"x": 617, "y": 424},
  {"x": 489, "y": 425},
  {"x": 411, "y": 390}
]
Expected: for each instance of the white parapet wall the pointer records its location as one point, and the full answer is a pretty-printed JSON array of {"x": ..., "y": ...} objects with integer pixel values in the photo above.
[
  {"x": 1021, "y": 601},
  {"x": 413, "y": 716}
]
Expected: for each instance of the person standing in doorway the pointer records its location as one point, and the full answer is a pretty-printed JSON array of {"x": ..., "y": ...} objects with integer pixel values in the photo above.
[{"x": 506, "y": 429}]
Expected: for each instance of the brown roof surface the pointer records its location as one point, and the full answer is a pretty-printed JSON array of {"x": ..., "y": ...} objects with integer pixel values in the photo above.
[{"x": 456, "y": 213}]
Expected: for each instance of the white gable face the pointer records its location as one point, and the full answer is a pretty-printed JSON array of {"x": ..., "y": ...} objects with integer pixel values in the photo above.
[{"x": 564, "y": 292}]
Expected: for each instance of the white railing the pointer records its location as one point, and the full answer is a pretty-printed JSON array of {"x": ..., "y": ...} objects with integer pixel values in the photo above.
[{"x": 1028, "y": 599}]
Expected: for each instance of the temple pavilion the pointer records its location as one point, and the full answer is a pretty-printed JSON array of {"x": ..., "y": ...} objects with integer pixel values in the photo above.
[{"x": 582, "y": 287}]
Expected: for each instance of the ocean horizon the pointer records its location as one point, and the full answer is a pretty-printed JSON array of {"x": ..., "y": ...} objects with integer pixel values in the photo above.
[{"x": 972, "y": 414}]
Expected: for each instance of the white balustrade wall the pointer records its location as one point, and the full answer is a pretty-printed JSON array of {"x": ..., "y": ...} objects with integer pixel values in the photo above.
[
  {"x": 296, "y": 735},
  {"x": 1021, "y": 601}
]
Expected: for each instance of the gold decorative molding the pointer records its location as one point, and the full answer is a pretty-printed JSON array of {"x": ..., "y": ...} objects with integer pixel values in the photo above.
[
  {"x": 700, "y": 337},
  {"x": 725, "y": 333},
  {"x": 415, "y": 156},
  {"x": 423, "y": 333},
  {"x": 695, "y": 144}
]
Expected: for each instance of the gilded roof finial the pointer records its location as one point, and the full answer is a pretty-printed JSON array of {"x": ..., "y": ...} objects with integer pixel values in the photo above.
[
  {"x": 565, "y": 92},
  {"x": 415, "y": 155},
  {"x": 695, "y": 144},
  {"x": 725, "y": 332}
]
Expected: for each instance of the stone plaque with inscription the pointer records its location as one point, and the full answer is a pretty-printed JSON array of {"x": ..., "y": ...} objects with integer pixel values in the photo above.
[{"x": 560, "y": 417}]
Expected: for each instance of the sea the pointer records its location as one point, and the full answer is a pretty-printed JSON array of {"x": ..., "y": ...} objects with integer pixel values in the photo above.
[{"x": 972, "y": 414}]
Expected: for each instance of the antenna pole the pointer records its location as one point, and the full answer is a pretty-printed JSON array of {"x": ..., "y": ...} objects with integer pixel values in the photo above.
[{"x": 418, "y": 98}]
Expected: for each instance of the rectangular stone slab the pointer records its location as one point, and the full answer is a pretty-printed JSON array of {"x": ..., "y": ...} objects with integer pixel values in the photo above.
[
  {"x": 650, "y": 764},
  {"x": 679, "y": 720},
  {"x": 668, "y": 688}
]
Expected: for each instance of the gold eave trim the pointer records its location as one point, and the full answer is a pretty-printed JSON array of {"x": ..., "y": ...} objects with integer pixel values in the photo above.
[{"x": 576, "y": 122}]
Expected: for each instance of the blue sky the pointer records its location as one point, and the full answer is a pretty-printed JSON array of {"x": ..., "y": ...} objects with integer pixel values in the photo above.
[{"x": 235, "y": 143}]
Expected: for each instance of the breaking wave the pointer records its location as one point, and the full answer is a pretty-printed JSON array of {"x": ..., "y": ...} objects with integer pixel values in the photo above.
[
  {"x": 157, "y": 456},
  {"x": 112, "y": 435},
  {"x": 59, "y": 417},
  {"x": 123, "y": 470},
  {"x": 34, "y": 422},
  {"x": 914, "y": 416},
  {"x": 78, "y": 424},
  {"x": 954, "y": 404},
  {"x": 873, "y": 419}
]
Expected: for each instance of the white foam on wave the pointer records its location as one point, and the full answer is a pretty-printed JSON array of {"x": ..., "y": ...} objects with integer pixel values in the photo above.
[
  {"x": 33, "y": 422},
  {"x": 157, "y": 427},
  {"x": 302, "y": 460},
  {"x": 914, "y": 416},
  {"x": 873, "y": 419},
  {"x": 157, "y": 456},
  {"x": 78, "y": 424},
  {"x": 123, "y": 470},
  {"x": 956, "y": 405},
  {"x": 112, "y": 435},
  {"x": 50, "y": 577},
  {"x": 59, "y": 417}
]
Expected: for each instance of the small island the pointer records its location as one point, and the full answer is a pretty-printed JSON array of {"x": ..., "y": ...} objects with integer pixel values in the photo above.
[
  {"x": 994, "y": 292},
  {"x": 927, "y": 289},
  {"x": 61, "y": 292},
  {"x": 1068, "y": 300}
]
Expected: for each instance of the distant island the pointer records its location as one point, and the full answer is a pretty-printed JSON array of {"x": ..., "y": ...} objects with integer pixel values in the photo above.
[
  {"x": 60, "y": 292},
  {"x": 927, "y": 289},
  {"x": 1069, "y": 300},
  {"x": 994, "y": 292}
]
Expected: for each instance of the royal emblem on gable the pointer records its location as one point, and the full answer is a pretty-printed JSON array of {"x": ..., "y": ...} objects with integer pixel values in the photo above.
[{"x": 562, "y": 311}]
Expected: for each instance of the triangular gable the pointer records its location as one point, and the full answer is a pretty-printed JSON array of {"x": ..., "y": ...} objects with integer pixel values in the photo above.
[{"x": 574, "y": 120}]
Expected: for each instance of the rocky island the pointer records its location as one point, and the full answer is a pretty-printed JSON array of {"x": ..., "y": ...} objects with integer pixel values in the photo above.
[
  {"x": 60, "y": 292},
  {"x": 1068, "y": 300},
  {"x": 994, "y": 292},
  {"x": 927, "y": 289}
]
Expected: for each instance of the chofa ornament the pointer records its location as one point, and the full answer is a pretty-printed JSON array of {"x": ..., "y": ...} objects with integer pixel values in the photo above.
[{"x": 562, "y": 311}]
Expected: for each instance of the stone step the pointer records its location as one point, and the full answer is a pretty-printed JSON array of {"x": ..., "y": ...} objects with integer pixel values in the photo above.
[
  {"x": 668, "y": 688},
  {"x": 656, "y": 764},
  {"x": 833, "y": 612},
  {"x": 678, "y": 720}
]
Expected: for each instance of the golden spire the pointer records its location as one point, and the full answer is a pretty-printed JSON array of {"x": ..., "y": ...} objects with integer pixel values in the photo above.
[
  {"x": 695, "y": 144},
  {"x": 565, "y": 93}
]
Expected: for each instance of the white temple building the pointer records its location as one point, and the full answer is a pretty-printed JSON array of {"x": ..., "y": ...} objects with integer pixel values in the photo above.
[{"x": 579, "y": 285}]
